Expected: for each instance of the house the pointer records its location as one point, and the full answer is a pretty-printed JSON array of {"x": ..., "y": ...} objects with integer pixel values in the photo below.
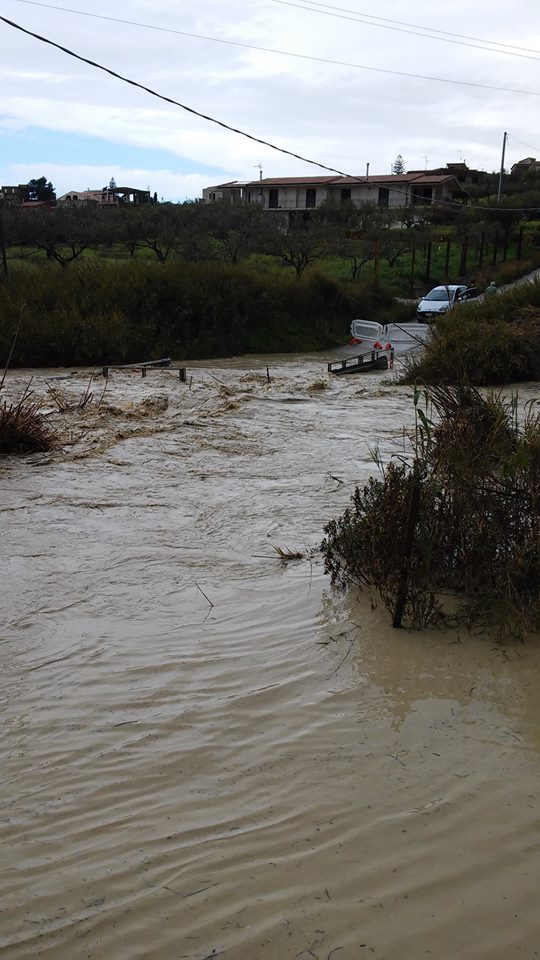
[
  {"x": 107, "y": 197},
  {"x": 528, "y": 165},
  {"x": 466, "y": 176},
  {"x": 232, "y": 192},
  {"x": 392, "y": 190},
  {"x": 14, "y": 196}
]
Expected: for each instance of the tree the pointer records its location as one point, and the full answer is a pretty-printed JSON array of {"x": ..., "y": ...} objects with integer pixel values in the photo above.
[
  {"x": 301, "y": 242},
  {"x": 234, "y": 228},
  {"x": 41, "y": 189},
  {"x": 398, "y": 165}
]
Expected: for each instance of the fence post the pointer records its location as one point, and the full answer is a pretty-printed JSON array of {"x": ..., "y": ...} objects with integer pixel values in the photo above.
[
  {"x": 481, "y": 251},
  {"x": 520, "y": 244},
  {"x": 495, "y": 246},
  {"x": 428, "y": 259},
  {"x": 413, "y": 264},
  {"x": 463, "y": 258},
  {"x": 447, "y": 258}
]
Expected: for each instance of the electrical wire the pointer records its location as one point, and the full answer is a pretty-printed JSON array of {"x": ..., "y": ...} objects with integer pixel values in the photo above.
[
  {"x": 387, "y": 26},
  {"x": 404, "y": 23},
  {"x": 523, "y": 144},
  {"x": 226, "y": 126},
  {"x": 284, "y": 53},
  {"x": 307, "y": 4}
]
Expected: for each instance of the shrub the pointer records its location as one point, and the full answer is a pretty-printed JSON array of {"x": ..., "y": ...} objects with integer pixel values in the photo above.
[
  {"x": 23, "y": 428},
  {"x": 495, "y": 342},
  {"x": 114, "y": 312},
  {"x": 474, "y": 483}
]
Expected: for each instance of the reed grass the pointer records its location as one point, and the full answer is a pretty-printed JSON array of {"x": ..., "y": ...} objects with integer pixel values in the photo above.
[{"x": 24, "y": 429}]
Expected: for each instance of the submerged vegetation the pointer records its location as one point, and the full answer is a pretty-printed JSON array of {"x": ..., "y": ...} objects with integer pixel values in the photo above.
[
  {"x": 451, "y": 534},
  {"x": 23, "y": 428}
]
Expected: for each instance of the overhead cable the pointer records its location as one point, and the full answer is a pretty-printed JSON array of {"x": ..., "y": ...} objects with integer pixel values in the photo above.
[
  {"x": 221, "y": 123},
  {"x": 388, "y": 26},
  {"x": 404, "y": 23},
  {"x": 284, "y": 53}
]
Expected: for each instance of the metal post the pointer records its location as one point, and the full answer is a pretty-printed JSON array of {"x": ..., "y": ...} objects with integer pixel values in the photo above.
[{"x": 505, "y": 137}]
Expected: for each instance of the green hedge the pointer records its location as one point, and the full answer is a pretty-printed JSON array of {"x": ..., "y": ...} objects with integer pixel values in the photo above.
[{"x": 116, "y": 312}]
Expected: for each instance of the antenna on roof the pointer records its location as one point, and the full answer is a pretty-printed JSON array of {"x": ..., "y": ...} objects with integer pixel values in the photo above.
[{"x": 259, "y": 165}]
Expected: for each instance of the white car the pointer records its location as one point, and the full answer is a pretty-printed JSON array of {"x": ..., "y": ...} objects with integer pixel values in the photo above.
[{"x": 441, "y": 299}]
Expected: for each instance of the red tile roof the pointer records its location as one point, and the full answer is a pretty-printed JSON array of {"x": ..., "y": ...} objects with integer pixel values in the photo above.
[{"x": 388, "y": 178}]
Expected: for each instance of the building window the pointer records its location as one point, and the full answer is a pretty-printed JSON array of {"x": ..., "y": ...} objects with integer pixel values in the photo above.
[
  {"x": 384, "y": 196},
  {"x": 311, "y": 198},
  {"x": 421, "y": 196},
  {"x": 345, "y": 194},
  {"x": 273, "y": 199}
]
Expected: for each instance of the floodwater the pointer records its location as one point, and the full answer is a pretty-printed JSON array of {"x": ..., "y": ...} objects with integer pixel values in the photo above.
[{"x": 205, "y": 752}]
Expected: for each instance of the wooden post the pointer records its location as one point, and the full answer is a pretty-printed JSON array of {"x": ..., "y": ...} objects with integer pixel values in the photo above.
[
  {"x": 463, "y": 258},
  {"x": 412, "y": 517},
  {"x": 182, "y": 374},
  {"x": 481, "y": 251},
  {"x": 428, "y": 259},
  {"x": 505, "y": 246},
  {"x": 376, "y": 259},
  {"x": 447, "y": 259},
  {"x": 143, "y": 372},
  {"x": 520, "y": 243},
  {"x": 268, "y": 375},
  {"x": 413, "y": 264},
  {"x": 495, "y": 245},
  {"x": 106, "y": 372}
]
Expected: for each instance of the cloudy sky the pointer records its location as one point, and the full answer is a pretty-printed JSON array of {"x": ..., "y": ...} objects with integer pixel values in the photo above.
[{"x": 79, "y": 127}]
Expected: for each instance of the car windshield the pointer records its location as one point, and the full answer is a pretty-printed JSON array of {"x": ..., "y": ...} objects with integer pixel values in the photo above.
[{"x": 438, "y": 294}]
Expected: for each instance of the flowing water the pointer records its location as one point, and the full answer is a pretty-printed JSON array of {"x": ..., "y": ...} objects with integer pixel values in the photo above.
[{"x": 205, "y": 752}]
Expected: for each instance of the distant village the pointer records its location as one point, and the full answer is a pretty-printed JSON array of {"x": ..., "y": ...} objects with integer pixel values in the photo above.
[{"x": 455, "y": 182}]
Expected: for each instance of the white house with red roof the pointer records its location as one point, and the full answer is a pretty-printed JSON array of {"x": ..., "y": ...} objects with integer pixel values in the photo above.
[{"x": 307, "y": 193}]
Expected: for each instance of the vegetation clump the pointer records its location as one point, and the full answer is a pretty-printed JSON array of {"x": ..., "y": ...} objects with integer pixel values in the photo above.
[
  {"x": 495, "y": 342},
  {"x": 23, "y": 428},
  {"x": 451, "y": 534}
]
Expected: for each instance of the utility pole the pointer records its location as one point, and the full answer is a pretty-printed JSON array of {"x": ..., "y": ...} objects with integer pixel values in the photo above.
[{"x": 501, "y": 175}]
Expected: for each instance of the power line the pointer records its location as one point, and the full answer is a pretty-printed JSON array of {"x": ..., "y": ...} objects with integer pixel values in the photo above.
[
  {"x": 523, "y": 144},
  {"x": 404, "y": 23},
  {"x": 387, "y": 26},
  {"x": 226, "y": 126},
  {"x": 284, "y": 53}
]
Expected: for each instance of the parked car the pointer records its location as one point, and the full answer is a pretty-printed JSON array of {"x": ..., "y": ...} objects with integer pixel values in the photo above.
[{"x": 444, "y": 298}]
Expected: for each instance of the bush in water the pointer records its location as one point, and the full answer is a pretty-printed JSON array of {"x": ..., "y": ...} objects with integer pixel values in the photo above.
[
  {"x": 476, "y": 537},
  {"x": 23, "y": 428}
]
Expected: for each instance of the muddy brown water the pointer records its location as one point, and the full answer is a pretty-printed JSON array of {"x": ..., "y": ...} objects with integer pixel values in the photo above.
[{"x": 205, "y": 752}]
